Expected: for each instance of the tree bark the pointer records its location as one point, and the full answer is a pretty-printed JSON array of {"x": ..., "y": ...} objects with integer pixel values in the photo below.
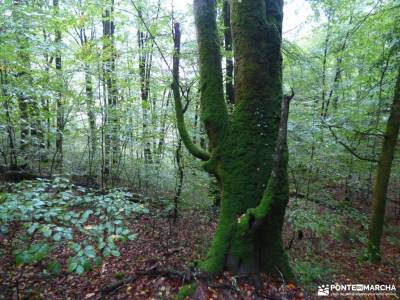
[{"x": 383, "y": 176}]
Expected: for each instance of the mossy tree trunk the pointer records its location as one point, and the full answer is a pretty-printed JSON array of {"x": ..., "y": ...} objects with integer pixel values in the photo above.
[
  {"x": 248, "y": 238},
  {"x": 383, "y": 175}
]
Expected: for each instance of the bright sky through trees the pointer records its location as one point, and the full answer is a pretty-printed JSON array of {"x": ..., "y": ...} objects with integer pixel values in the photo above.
[{"x": 296, "y": 13}]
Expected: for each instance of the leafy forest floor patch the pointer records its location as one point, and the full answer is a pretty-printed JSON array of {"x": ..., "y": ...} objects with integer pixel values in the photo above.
[{"x": 322, "y": 253}]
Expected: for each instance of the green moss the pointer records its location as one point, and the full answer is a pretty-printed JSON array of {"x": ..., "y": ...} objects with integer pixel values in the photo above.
[
  {"x": 186, "y": 291},
  {"x": 214, "y": 112},
  {"x": 215, "y": 260},
  {"x": 119, "y": 275},
  {"x": 194, "y": 149}
]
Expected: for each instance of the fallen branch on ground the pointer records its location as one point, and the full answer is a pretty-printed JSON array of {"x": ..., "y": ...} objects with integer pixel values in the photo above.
[{"x": 185, "y": 276}]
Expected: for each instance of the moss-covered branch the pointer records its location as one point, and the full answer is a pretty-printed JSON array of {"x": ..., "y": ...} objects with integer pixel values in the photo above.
[
  {"x": 180, "y": 120},
  {"x": 214, "y": 112}
]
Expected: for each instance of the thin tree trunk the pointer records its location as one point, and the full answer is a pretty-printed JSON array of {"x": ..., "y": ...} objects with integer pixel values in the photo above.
[
  {"x": 13, "y": 162},
  {"x": 146, "y": 46},
  {"x": 23, "y": 76},
  {"x": 179, "y": 183},
  {"x": 111, "y": 139},
  {"x": 60, "y": 104},
  {"x": 377, "y": 118},
  {"x": 90, "y": 105},
  {"x": 162, "y": 132},
  {"x": 324, "y": 63},
  {"x": 338, "y": 74},
  {"x": 91, "y": 116},
  {"x": 383, "y": 175},
  {"x": 45, "y": 100}
]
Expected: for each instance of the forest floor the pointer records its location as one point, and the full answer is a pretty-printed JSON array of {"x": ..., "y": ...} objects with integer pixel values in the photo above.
[{"x": 162, "y": 245}]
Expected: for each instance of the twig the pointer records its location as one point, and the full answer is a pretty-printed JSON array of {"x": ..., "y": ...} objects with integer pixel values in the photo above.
[{"x": 347, "y": 147}]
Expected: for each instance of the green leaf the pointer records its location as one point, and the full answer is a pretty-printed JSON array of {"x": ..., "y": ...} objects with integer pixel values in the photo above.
[
  {"x": 24, "y": 258},
  {"x": 102, "y": 244},
  {"x": 41, "y": 251},
  {"x": 131, "y": 237},
  {"x": 72, "y": 264},
  {"x": 106, "y": 251},
  {"x": 57, "y": 237},
  {"x": 75, "y": 246},
  {"x": 79, "y": 269},
  {"x": 34, "y": 254},
  {"x": 46, "y": 230},
  {"x": 54, "y": 267},
  {"x": 87, "y": 266},
  {"x": 115, "y": 253},
  {"x": 4, "y": 229},
  {"x": 98, "y": 261},
  {"x": 32, "y": 228},
  {"x": 90, "y": 252}
]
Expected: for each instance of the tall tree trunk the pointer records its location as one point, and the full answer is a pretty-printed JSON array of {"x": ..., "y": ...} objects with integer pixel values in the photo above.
[
  {"x": 248, "y": 238},
  {"x": 145, "y": 62},
  {"x": 22, "y": 75},
  {"x": 163, "y": 128},
  {"x": 146, "y": 46},
  {"x": 383, "y": 175},
  {"x": 45, "y": 99},
  {"x": 111, "y": 96},
  {"x": 377, "y": 119},
  {"x": 91, "y": 116},
  {"x": 12, "y": 161},
  {"x": 324, "y": 63},
  {"x": 90, "y": 105},
  {"x": 60, "y": 104},
  {"x": 338, "y": 74}
]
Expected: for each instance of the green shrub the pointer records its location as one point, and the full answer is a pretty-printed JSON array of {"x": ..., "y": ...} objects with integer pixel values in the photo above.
[{"x": 47, "y": 215}]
